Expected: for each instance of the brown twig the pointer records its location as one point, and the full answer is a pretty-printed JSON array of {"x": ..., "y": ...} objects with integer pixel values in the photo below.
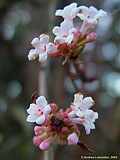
[{"x": 85, "y": 147}]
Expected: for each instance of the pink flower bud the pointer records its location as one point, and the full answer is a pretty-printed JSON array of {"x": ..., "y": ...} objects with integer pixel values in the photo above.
[
  {"x": 91, "y": 37},
  {"x": 36, "y": 140},
  {"x": 72, "y": 138},
  {"x": 64, "y": 130},
  {"x": 54, "y": 107},
  {"x": 45, "y": 144},
  {"x": 37, "y": 130}
]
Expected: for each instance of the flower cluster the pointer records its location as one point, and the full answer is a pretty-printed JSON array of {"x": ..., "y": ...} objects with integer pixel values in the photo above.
[
  {"x": 60, "y": 126},
  {"x": 56, "y": 125},
  {"x": 70, "y": 37}
]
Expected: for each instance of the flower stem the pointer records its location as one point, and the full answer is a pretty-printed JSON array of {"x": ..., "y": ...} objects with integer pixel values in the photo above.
[{"x": 49, "y": 154}]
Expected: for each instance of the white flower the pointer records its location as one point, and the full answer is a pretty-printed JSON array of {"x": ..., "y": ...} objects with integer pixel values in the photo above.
[
  {"x": 64, "y": 33},
  {"x": 69, "y": 12},
  {"x": 90, "y": 17},
  {"x": 91, "y": 14},
  {"x": 89, "y": 119},
  {"x": 39, "y": 111},
  {"x": 40, "y": 44},
  {"x": 81, "y": 112}
]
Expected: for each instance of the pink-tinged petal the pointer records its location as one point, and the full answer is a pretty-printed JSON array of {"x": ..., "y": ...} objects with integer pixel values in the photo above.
[
  {"x": 40, "y": 120},
  {"x": 32, "y": 109},
  {"x": 87, "y": 127},
  {"x": 77, "y": 120},
  {"x": 65, "y": 27},
  {"x": 36, "y": 140},
  {"x": 46, "y": 110},
  {"x": 44, "y": 145},
  {"x": 72, "y": 138},
  {"x": 72, "y": 114},
  {"x": 31, "y": 118},
  {"x": 87, "y": 103},
  {"x": 35, "y": 42},
  {"x": 91, "y": 37},
  {"x": 64, "y": 130},
  {"x": 41, "y": 101},
  {"x": 44, "y": 38}
]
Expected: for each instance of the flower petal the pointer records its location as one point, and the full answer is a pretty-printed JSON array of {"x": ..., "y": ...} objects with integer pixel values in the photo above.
[
  {"x": 69, "y": 39},
  {"x": 65, "y": 26},
  {"x": 88, "y": 123},
  {"x": 43, "y": 57},
  {"x": 33, "y": 54},
  {"x": 51, "y": 48},
  {"x": 35, "y": 42},
  {"x": 46, "y": 110},
  {"x": 37, "y": 140},
  {"x": 41, "y": 119},
  {"x": 101, "y": 14},
  {"x": 59, "y": 12},
  {"x": 72, "y": 114},
  {"x": 77, "y": 99},
  {"x": 31, "y": 118},
  {"x": 72, "y": 138},
  {"x": 87, "y": 103},
  {"x": 80, "y": 114},
  {"x": 83, "y": 12},
  {"x": 92, "y": 11},
  {"x": 56, "y": 30},
  {"x": 45, "y": 144},
  {"x": 41, "y": 101},
  {"x": 91, "y": 115},
  {"x": 59, "y": 39},
  {"x": 69, "y": 12},
  {"x": 87, "y": 127},
  {"x": 44, "y": 38},
  {"x": 32, "y": 109},
  {"x": 77, "y": 120}
]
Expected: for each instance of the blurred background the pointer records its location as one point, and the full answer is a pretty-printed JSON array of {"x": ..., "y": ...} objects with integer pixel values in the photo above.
[{"x": 20, "y": 22}]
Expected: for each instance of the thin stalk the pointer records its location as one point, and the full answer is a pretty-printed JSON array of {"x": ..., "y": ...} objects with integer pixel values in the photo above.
[{"x": 47, "y": 155}]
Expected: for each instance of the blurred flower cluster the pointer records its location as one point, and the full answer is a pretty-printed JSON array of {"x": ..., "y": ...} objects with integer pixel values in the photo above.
[
  {"x": 60, "y": 126},
  {"x": 70, "y": 38}
]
